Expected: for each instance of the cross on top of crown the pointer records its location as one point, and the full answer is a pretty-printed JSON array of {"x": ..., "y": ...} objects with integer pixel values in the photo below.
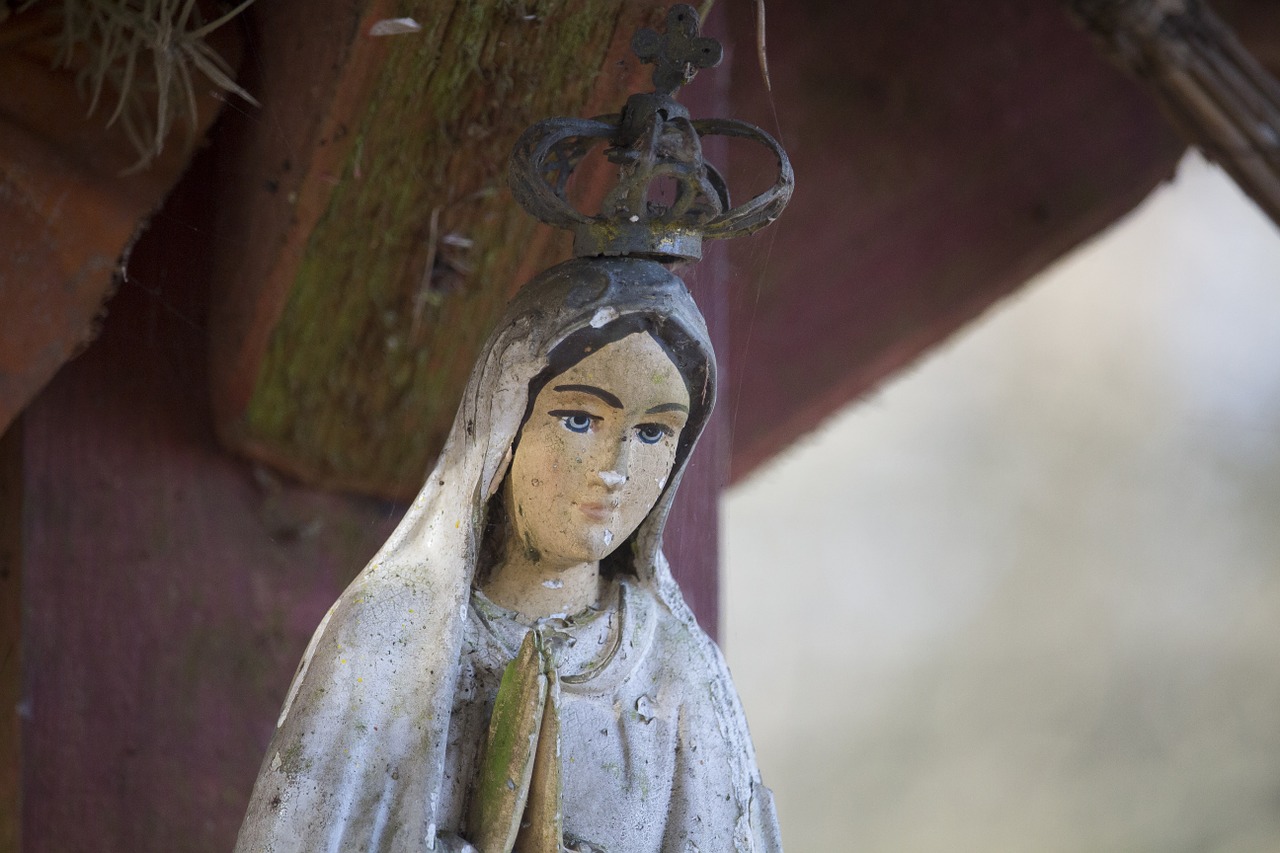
[{"x": 680, "y": 53}]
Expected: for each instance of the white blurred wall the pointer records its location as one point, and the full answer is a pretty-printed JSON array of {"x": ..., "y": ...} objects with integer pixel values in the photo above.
[{"x": 1027, "y": 598}]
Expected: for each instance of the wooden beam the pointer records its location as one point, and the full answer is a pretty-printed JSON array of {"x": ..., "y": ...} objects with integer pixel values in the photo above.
[
  {"x": 367, "y": 239},
  {"x": 69, "y": 207},
  {"x": 942, "y": 157}
]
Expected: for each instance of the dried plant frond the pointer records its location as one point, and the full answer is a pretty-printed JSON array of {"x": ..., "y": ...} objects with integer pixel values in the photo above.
[{"x": 146, "y": 54}]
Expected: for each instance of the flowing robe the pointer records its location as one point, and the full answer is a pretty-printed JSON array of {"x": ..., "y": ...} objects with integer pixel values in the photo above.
[
  {"x": 651, "y": 755},
  {"x": 654, "y": 752}
]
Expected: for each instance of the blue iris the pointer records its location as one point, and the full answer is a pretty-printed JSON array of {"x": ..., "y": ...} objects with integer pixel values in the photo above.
[
  {"x": 577, "y": 422},
  {"x": 651, "y": 433}
]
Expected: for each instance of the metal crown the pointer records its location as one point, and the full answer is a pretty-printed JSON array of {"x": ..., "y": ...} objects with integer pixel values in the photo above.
[{"x": 652, "y": 142}]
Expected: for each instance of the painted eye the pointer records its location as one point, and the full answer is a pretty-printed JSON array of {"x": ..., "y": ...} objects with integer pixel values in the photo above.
[
  {"x": 652, "y": 433},
  {"x": 577, "y": 422}
]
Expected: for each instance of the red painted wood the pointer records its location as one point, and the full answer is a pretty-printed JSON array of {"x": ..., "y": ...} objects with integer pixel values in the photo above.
[
  {"x": 67, "y": 209},
  {"x": 168, "y": 595},
  {"x": 10, "y": 636},
  {"x": 692, "y": 536},
  {"x": 693, "y": 533},
  {"x": 944, "y": 152}
]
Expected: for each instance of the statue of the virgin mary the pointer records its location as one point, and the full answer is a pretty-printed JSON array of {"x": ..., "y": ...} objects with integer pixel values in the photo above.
[
  {"x": 516, "y": 670},
  {"x": 384, "y": 735}
]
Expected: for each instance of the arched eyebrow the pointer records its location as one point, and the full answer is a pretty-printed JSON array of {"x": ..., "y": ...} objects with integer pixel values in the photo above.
[
  {"x": 610, "y": 399},
  {"x": 668, "y": 407}
]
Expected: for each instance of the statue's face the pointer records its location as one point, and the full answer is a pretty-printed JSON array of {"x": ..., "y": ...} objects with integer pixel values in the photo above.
[{"x": 596, "y": 452}]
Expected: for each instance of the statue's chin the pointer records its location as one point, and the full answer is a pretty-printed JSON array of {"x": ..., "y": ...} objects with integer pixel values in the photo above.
[{"x": 593, "y": 543}]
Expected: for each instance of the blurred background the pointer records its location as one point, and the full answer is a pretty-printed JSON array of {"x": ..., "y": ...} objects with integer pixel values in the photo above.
[{"x": 1024, "y": 597}]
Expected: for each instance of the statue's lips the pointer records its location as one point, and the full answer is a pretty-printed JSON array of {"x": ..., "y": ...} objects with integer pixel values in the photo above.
[{"x": 596, "y": 511}]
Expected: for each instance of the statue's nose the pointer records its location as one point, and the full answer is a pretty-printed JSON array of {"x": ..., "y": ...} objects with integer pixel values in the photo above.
[{"x": 613, "y": 479}]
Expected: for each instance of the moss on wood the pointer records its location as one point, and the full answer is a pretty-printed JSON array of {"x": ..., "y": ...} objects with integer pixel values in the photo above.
[{"x": 368, "y": 361}]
